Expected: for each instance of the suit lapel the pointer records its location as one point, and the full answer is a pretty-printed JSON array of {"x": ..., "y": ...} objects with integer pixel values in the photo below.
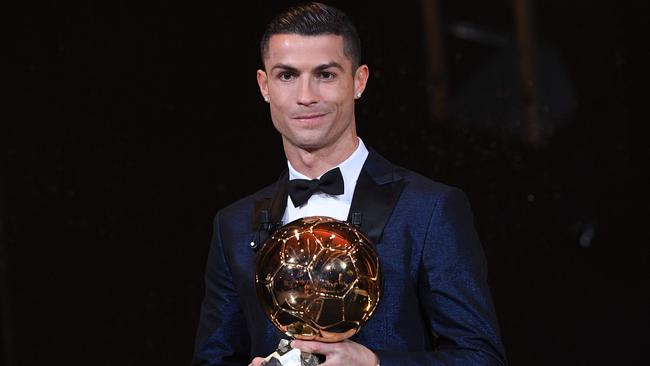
[
  {"x": 375, "y": 195},
  {"x": 268, "y": 211}
]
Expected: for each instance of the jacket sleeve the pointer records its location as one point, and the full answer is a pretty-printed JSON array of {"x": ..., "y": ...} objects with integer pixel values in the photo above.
[
  {"x": 222, "y": 337},
  {"x": 453, "y": 292}
]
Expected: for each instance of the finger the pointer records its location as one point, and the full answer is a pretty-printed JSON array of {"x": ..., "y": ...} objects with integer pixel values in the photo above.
[
  {"x": 314, "y": 347},
  {"x": 257, "y": 361}
]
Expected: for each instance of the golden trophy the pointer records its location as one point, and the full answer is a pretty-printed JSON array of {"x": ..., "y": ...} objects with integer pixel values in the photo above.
[{"x": 317, "y": 278}]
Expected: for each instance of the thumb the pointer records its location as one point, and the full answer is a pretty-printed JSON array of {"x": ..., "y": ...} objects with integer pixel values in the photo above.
[
  {"x": 312, "y": 347},
  {"x": 257, "y": 361}
]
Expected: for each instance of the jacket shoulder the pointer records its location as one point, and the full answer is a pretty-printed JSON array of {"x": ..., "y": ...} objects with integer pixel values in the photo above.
[
  {"x": 384, "y": 171},
  {"x": 419, "y": 183},
  {"x": 242, "y": 208}
]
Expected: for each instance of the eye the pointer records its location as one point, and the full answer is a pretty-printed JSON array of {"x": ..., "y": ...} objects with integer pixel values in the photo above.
[
  {"x": 327, "y": 75},
  {"x": 285, "y": 76}
]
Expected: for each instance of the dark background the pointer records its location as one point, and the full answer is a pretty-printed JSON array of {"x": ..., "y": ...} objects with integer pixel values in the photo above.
[{"x": 129, "y": 126}]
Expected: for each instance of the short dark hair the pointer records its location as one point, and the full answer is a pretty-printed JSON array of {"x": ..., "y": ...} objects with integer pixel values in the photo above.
[{"x": 313, "y": 19}]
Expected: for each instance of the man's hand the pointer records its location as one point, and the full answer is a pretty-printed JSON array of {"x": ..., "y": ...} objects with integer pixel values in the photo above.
[
  {"x": 257, "y": 361},
  {"x": 346, "y": 353}
]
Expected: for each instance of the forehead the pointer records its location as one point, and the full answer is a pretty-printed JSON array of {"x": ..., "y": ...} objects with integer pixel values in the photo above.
[{"x": 305, "y": 51}]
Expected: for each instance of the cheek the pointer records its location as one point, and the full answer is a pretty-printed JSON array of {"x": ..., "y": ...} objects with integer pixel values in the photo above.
[
  {"x": 279, "y": 103},
  {"x": 283, "y": 99},
  {"x": 277, "y": 117},
  {"x": 337, "y": 94},
  {"x": 280, "y": 117}
]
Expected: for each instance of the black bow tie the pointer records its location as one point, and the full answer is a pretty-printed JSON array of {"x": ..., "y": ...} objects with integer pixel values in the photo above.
[{"x": 301, "y": 189}]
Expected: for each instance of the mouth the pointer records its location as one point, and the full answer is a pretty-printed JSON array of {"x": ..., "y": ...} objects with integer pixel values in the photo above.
[{"x": 309, "y": 117}]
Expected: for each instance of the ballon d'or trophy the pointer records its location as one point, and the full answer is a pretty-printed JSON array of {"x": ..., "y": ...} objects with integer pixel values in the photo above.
[{"x": 319, "y": 279}]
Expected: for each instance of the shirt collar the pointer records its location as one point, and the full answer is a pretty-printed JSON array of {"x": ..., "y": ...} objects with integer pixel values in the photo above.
[{"x": 350, "y": 169}]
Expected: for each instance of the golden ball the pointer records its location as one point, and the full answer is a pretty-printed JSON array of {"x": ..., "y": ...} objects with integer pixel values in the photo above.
[{"x": 318, "y": 278}]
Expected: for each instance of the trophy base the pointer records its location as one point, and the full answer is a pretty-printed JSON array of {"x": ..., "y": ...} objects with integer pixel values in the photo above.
[{"x": 287, "y": 356}]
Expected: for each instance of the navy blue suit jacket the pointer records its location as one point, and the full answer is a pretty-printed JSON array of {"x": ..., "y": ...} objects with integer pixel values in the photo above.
[{"x": 435, "y": 309}]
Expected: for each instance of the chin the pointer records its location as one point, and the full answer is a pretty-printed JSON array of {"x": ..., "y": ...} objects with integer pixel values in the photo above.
[
  {"x": 309, "y": 144},
  {"x": 310, "y": 147}
]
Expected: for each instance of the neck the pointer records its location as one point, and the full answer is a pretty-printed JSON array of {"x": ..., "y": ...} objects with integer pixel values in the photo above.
[{"x": 314, "y": 163}]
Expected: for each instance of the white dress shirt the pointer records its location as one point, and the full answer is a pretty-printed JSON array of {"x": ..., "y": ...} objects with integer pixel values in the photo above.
[{"x": 323, "y": 204}]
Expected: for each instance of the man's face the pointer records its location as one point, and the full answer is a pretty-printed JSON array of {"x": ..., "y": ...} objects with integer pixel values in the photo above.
[{"x": 311, "y": 89}]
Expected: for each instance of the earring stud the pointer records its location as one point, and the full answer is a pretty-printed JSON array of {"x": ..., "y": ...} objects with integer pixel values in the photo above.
[
  {"x": 266, "y": 98},
  {"x": 358, "y": 95}
]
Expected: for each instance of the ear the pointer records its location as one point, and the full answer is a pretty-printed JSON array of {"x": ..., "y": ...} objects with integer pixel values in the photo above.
[
  {"x": 360, "y": 80},
  {"x": 263, "y": 82}
]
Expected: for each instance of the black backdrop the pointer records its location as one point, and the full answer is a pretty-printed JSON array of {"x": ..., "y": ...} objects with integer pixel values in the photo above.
[{"x": 129, "y": 126}]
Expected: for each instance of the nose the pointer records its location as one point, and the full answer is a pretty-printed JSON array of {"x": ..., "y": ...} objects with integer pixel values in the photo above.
[{"x": 307, "y": 92}]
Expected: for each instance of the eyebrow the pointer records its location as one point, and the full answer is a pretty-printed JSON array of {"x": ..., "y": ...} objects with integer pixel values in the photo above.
[{"x": 316, "y": 69}]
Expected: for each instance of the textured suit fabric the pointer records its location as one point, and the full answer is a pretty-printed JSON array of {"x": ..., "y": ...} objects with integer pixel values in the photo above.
[{"x": 436, "y": 307}]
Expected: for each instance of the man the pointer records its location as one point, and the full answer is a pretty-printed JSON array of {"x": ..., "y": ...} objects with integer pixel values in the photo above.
[{"x": 435, "y": 307}]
